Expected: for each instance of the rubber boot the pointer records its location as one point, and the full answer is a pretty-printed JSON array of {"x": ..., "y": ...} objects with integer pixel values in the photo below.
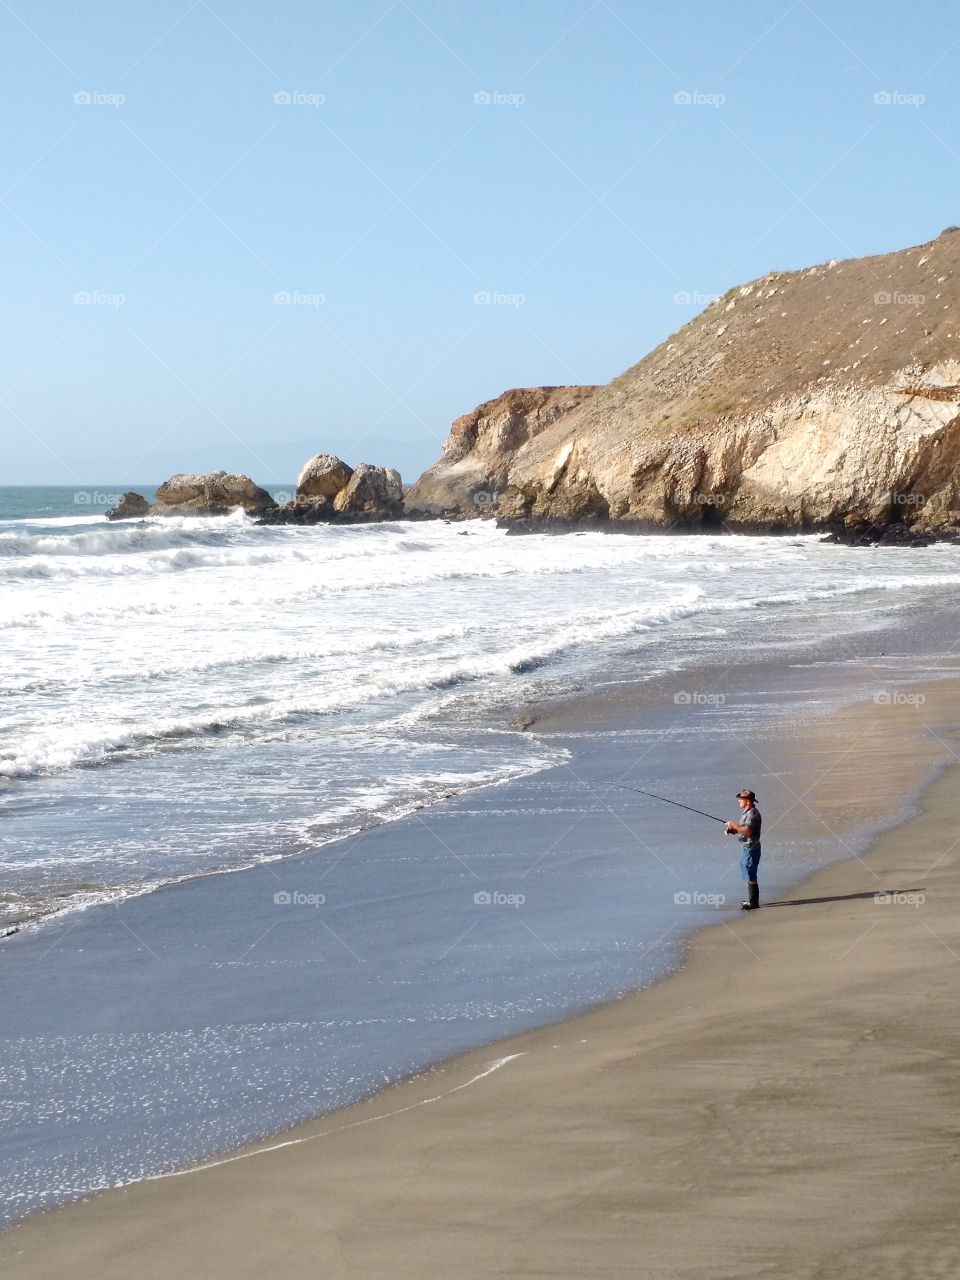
[{"x": 753, "y": 901}]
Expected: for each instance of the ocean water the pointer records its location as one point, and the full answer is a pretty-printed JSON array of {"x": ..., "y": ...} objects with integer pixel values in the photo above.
[
  {"x": 182, "y": 699},
  {"x": 188, "y": 696}
]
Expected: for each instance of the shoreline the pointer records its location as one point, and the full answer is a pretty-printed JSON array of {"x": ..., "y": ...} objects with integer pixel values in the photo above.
[
  {"x": 894, "y": 533},
  {"x": 862, "y": 533},
  {"x": 30, "y": 923},
  {"x": 546, "y": 719},
  {"x": 859, "y": 533},
  {"x": 474, "y": 1063}
]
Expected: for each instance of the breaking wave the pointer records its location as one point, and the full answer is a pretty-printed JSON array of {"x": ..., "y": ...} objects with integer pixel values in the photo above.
[{"x": 168, "y": 678}]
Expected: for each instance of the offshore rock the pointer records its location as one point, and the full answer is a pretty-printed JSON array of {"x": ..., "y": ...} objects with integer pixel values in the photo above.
[
  {"x": 210, "y": 494},
  {"x": 323, "y": 477},
  {"x": 130, "y": 507},
  {"x": 331, "y": 492},
  {"x": 371, "y": 491},
  {"x": 213, "y": 493}
]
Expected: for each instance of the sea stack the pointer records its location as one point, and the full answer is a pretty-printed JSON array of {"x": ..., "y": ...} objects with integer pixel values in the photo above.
[
  {"x": 212, "y": 493},
  {"x": 131, "y": 506},
  {"x": 329, "y": 490}
]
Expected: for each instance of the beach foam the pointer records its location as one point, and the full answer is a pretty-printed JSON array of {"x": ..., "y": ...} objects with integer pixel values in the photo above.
[{"x": 178, "y": 655}]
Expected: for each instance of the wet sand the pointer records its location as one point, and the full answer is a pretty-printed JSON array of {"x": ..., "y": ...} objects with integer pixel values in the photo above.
[{"x": 784, "y": 1106}]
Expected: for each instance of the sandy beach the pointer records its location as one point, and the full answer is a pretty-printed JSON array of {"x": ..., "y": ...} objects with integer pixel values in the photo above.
[{"x": 779, "y": 1107}]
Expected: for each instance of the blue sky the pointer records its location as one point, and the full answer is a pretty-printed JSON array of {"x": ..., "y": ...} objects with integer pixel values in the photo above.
[{"x": 237, "y": 233}]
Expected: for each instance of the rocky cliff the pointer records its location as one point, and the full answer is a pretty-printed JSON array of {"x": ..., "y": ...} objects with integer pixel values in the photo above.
[
  {"x": 482, "y": 445},
  {"x": 805, "y": 399}
]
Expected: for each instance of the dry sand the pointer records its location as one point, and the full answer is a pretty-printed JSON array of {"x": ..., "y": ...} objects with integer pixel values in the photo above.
[{"x": 784, "y": 1106}]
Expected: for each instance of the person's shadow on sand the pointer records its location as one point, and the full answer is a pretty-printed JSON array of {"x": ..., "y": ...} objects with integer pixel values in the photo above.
[{"x": 842, "y": 897}]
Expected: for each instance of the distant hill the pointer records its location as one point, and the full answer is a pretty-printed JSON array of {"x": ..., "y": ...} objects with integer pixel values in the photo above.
[{"x": 804, "y": 399}]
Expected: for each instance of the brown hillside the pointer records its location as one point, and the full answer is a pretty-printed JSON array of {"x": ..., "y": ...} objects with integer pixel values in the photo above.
[{"x": 798, "y": 400}]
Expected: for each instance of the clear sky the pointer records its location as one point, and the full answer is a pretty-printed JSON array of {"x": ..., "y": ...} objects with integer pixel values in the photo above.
[{"x": 455, "y": 198}]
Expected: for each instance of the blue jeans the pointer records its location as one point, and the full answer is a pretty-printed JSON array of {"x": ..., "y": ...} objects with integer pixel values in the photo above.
[{"x": 749, "y": 862}]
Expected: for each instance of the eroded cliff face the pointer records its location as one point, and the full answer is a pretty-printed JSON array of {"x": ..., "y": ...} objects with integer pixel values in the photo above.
[
  {"x": 804, "y": 399},
  {"x": 478, "y": 453}
]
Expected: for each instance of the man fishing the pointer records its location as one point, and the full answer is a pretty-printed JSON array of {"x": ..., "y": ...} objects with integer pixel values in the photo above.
[{"x": 748, "y": 832}]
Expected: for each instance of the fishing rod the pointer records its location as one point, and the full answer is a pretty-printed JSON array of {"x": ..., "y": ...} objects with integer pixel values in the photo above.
[{"x": 667, "y": 800}]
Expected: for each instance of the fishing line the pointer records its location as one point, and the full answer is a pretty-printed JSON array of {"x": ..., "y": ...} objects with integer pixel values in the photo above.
[{"x": 667, "y": 800}]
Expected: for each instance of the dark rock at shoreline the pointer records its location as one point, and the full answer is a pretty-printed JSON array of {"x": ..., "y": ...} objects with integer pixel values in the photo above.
[
  {"x": 321, "y": 513},
  {"x": 859, "y": 534},
  {"x": 890, "y": 535}
]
